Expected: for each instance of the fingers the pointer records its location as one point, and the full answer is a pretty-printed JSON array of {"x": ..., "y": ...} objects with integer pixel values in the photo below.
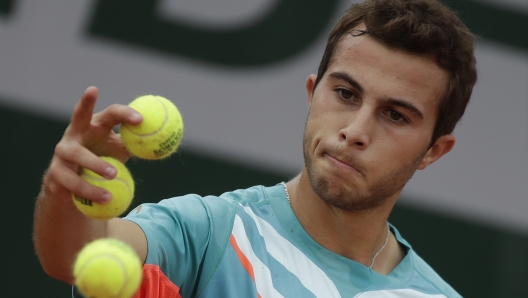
[
  {"x": 82, "y": 113},
  {"x": 61, "y": 180},
  {"x": 88, "y": 136},
  {"x": 68, "y": 158},
  {"x": 117, "y": 114},
  {"x": 77, "y": 155}
]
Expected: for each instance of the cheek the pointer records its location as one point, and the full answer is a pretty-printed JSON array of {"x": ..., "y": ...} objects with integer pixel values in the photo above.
[
  {"x": 309, "y": 131},
  {"x": 411, "y": 154},
  {"x": 400, "y": 149},
  {"x": 314, "y": 131}
]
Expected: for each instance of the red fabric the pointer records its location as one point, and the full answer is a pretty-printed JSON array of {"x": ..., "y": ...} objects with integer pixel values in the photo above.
[{"x": 155, "y": 284}]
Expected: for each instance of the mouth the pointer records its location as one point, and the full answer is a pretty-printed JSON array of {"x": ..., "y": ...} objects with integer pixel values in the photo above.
[{"x": 347, "y": 164}]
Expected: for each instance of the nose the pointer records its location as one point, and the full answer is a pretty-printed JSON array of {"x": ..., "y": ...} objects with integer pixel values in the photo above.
[{"x": 357, "y": 131}]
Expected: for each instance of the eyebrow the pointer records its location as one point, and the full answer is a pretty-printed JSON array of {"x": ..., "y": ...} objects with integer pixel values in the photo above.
[
  {"x": 403, "y": 104},
  {"x": 389, "y": 100},
  {"x": 346, "y": 77}
]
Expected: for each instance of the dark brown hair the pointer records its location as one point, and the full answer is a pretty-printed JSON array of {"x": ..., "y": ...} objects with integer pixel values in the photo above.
[{"x": 424, "y": 27}]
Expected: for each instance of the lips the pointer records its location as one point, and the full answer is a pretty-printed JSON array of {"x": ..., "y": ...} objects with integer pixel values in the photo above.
[{"x": 348, "y": 163}]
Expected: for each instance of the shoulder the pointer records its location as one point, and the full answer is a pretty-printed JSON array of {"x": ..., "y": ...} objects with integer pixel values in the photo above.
[
  {"x": 257, "y": 195},
  {"x": 196, "y": 208},
  {"x": 187, "y": 235}
]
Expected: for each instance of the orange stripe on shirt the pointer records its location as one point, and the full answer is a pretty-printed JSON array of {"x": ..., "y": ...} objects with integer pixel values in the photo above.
[
  {"x": 156, "y": 284},
  {"x": 243, "y": 259}
]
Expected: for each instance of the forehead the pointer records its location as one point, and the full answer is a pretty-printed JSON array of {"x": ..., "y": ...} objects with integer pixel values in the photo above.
[{"x": 390, "y": 72}]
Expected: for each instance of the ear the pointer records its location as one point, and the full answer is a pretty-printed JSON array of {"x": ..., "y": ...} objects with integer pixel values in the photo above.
[
  {"x": 310, "y": 83},
  {"x": 443, "y": 145}
]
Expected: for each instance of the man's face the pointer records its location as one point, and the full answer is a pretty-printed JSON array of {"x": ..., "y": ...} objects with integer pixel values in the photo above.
[{"x": 370, "y": 124}]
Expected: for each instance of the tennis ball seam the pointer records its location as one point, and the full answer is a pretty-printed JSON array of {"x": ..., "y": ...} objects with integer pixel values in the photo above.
[
  {"x": 87, "y": 263},
  {"x": 92, "y": 263},
  {"x": 160, "y": 133},
  {"x": 165, "y": 120}
]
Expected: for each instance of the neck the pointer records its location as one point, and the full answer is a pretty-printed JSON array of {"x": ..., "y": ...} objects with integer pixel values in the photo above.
[{"x": 354, "y": 235}]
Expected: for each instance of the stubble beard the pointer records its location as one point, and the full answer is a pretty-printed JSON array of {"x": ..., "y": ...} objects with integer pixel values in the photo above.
[{"x": 355, "y": 199}]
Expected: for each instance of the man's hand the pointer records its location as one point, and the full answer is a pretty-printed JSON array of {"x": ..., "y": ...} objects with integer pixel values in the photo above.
[
  {"x": 60, "y": 229},
  {"x": 86, "y": 138}
]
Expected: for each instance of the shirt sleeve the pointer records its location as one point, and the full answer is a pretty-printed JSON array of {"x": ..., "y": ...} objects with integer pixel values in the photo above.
[{"x": 178, "y": 231}]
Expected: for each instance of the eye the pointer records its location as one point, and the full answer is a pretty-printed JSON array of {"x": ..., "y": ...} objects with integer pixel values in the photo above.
[
  {"x": 346, "y": 95},
  {"x": 395, "y": 116}
]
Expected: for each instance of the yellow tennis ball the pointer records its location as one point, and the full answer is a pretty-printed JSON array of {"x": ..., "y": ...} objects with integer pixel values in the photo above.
[
  {"x": 107, "y": 268},
  {"x": 160, "y": 133},
  {"x": 121, "y": 188}
]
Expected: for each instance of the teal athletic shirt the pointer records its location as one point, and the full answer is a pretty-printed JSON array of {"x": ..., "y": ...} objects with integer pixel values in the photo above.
[{"x": 249, "y": 243}]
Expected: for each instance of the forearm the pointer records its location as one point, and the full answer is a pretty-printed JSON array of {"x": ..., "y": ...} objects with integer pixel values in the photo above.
[{"x": 60, "y": 231}]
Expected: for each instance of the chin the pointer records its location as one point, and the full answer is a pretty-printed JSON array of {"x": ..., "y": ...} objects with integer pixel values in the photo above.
[
  {"x": 352, "y": 201},
  {"x": 342, "y": 196}
]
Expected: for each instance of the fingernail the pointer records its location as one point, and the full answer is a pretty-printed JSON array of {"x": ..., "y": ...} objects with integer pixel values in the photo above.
[
  {"x": 106, "y": 197},
  {"x": 135, "y": 117},
  {"x": 110, "y": 172}
]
